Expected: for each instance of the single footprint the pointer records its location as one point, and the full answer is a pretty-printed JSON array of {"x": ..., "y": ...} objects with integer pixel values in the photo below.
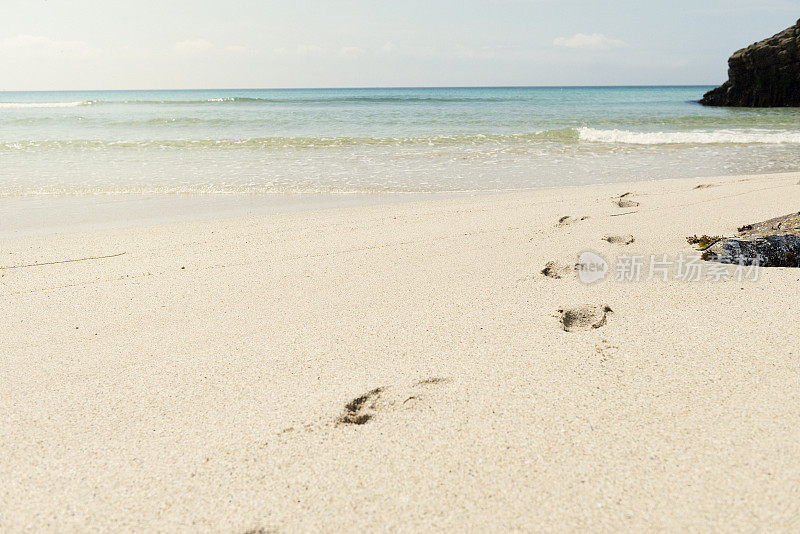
[
  {"x": 584, "y": 318},
  {"x": 619, "y": 239},
  {"x": 626, "y": 203},
  {"x": 704, "y": 186},
  {"x": 556, "y": 269},
  {"x": 566, "y": 220},
  {"x": 606, "y": 350},
  {"x": 379, "y": 400},
  {"x": 361, "y": 409}
]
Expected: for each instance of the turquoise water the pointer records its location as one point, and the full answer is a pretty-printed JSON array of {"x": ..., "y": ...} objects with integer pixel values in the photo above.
[{"x": 377, "y": 140}]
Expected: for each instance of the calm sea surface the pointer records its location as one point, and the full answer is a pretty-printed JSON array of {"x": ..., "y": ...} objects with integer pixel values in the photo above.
[
  {"x": 377, "y": 140},
  {"x": 321, "y": 141}
]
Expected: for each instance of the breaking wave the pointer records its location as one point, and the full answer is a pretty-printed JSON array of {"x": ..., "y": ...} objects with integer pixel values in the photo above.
[
  {"x": 705, "y": 137},
  {"x": 563, "y": 135}
]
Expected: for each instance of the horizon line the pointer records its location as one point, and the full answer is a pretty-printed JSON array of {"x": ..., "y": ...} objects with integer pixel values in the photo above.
[{"x": 352, "y": 88}]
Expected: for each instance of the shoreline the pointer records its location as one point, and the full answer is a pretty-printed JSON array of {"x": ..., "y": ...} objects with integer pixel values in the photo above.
[
  {"x": 31, "y": 216},
  {"x": 46, "y": 215},
  {"x": 404, "y": 365}
]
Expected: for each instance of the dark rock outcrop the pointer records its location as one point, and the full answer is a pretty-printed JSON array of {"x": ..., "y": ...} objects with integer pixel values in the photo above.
[
  {"x": 768, "y": 251},
  {"x": 772, "y": 243},
  {"x": 765, "y": 74}
]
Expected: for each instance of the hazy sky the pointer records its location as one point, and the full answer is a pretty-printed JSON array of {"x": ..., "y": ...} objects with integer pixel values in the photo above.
[{"x": 138, "y": 44}]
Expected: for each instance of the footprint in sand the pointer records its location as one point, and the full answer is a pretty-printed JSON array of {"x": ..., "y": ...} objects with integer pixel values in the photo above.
[
  {"x": 361, "y": 409},
  {"x": 619, "y": 239},
  {"x": 557, "y": 269},
  {"x": 705, "y": 186},
  {"x": 566, "y": 220},
  {"x": 375, "y": 404},
  {"x": 382, "y": 400},
  {"x": 624, "y": 201},
  {"x": 584, "y": 317},
  {"x": 606, "y": 351}
]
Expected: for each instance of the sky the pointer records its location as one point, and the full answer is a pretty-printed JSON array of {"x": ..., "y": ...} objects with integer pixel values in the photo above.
[{"x": 174, "y": 44}]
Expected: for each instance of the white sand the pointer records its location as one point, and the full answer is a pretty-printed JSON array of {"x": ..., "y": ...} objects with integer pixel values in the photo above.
[{"x": 136, "y": 395}]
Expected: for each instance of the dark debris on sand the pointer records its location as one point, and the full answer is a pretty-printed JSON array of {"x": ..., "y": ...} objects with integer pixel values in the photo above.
[{"x": 771, "y": 243}]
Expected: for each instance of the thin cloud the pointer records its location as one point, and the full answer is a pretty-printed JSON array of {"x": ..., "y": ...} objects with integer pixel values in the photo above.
[
  {"x": 320, "y": 52},
  {"x": 310, "y": 51},
  {"x": 388, "y": 48},
  {"x": 350, "y": 52},
  {"x": 200, "y": 46},
  {"x": 595, "y": 41},
  {"x": 194, "y": 45},
  {"x": 38, "y": 41},
  {"x": 39, "y": 45}
]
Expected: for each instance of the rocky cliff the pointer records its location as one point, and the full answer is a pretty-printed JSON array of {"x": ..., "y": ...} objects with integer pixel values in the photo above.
[{"x": 765, "y": 74}]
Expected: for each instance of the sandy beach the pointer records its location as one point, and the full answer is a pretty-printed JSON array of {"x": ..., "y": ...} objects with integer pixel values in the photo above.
[{"x": 403, "y": 367}]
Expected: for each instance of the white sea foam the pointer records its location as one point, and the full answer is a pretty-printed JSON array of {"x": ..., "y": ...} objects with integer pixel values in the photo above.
[
  {"x": 28, "y": 105},
  {"x": 699, "y": 137}
]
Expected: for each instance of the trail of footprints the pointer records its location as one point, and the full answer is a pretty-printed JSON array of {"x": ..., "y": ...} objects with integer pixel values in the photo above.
[
  {"x": 590, "y": 316},
  {"x": 382, "y": 401}
]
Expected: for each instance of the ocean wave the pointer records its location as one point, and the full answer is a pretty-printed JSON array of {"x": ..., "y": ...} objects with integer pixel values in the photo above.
[
  {"x": 563, "y": 135},
  {"x": 182, "y": 121},
  {"x": 29, "y": 105},
  {"x": 705, "y": 137},
  {"x": 559, "y": 137}
]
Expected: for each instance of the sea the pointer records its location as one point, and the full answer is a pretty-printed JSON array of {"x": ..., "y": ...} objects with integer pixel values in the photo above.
[{"x": 75, "y": 159}]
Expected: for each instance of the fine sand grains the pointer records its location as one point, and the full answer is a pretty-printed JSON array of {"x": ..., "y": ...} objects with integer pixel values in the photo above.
[{"x": 385, "y": 368}]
